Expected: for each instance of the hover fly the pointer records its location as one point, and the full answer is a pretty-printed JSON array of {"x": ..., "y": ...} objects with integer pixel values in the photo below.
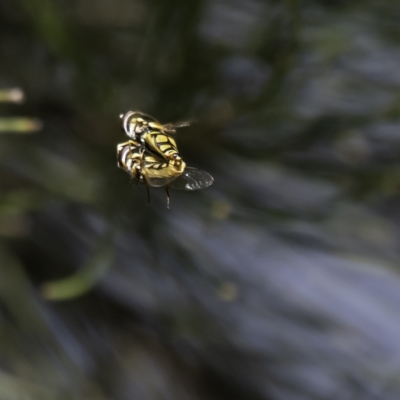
[
  {"x": 151, "y": 133},
  {"x": 149, "y": 168}
]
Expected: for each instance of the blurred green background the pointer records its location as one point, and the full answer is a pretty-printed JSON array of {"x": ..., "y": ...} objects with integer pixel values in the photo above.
[{"x": 280, "y": 281}]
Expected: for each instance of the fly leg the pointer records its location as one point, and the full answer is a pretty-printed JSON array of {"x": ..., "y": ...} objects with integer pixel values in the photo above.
[
  {"x": 143, "y": 176},
  {"x": 139, "y": 174},
  {"x": 137, "y": 167},
  {"x": 148, "y": 189},
  {"x": 139, "y": 170},
  {"x": 167, "y": 192}
]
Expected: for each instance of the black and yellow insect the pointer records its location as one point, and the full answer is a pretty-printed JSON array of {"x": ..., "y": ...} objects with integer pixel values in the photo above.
[
  {"x": 146, "y": 167},
  {"x": 151, "y": 133},
  {"x": 151, "y": 155}
]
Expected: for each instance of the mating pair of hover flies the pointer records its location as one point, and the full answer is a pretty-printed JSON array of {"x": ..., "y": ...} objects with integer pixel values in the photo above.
[{"x": 151, "y": 155}]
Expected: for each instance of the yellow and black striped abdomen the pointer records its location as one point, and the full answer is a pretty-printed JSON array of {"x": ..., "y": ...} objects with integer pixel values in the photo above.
[
  {"x": 154, "y": 167},
  {"x": 162, "y": 144},
  {"x": 139, "y": 163}
]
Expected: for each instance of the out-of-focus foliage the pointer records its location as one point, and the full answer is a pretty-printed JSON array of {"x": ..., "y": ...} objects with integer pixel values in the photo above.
[
  {"x": 281, "y": 281},
  {"x": 16, "y": 125}
]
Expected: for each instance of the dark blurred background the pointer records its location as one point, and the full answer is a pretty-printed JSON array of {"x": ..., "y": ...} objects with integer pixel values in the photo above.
[{"x": 280, "y": 281}]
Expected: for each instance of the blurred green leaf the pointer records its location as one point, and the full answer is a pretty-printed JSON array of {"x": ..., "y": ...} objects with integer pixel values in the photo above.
[{"x": 19, "y": 125}]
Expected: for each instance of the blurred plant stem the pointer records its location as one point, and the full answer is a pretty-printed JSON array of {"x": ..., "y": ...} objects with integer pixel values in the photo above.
[
  {"x": 81, "y": 282},
  {"x": 19, "y": 125},
  {"x": 14, "y": 95}
]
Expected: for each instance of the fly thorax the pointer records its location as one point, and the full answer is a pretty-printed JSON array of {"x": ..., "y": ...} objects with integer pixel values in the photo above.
[{"x": 135, "y": 123}]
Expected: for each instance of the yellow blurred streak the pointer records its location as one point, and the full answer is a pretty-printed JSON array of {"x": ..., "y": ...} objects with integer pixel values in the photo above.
[
  {"x": 14, "y": 95},
  {"x": 20, "y": 125}
]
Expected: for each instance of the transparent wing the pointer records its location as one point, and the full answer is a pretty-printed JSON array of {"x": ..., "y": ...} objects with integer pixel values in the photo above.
[
  {"x": 171, "y": 127},
  {"x": 192, "y": 179},
  {"x": 157, "y": 182}
]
